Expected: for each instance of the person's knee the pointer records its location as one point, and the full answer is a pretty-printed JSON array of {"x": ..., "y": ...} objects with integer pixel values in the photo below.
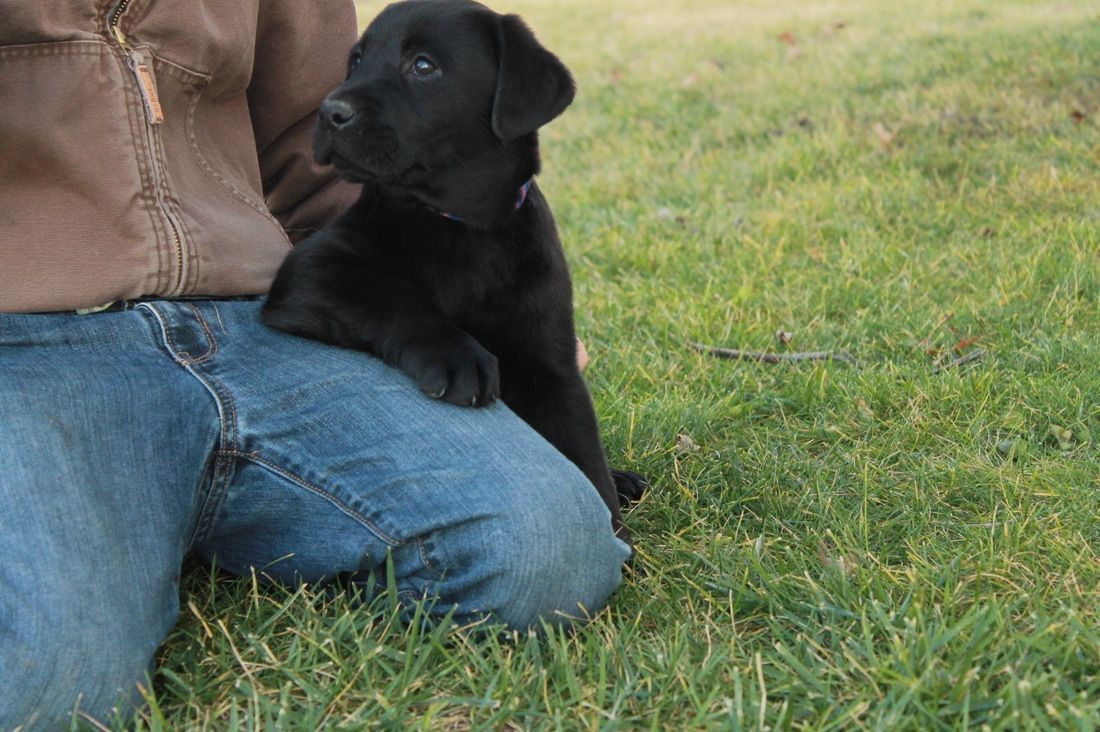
[
  {"x": 56, "y": 661},
  {"x": 70, "y": 636},
  {"x": 548, "y": 554}
]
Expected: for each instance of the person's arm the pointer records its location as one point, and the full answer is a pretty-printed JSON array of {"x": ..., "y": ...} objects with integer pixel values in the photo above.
[
  {"x": 301, "y": 55},
  {"x": 582, "y": 355}
]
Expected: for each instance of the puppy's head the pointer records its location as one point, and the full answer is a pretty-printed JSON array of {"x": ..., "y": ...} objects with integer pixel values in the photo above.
[{"x": 435, "y": 85}]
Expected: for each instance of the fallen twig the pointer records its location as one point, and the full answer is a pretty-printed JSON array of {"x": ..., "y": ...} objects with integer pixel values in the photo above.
[
  {"x": 769, "y": 357},
  {"x": 966, "y": 358}
]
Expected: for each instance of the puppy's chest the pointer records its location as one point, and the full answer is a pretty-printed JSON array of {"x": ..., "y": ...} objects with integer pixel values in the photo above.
[{"x": 467, "y": 275}]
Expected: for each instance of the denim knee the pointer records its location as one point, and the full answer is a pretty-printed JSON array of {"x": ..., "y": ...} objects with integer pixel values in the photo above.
[
  {"x": 546, "y": 554},
  {"x": 87, "y": 589},
  {"x": 55, "y": 660}
]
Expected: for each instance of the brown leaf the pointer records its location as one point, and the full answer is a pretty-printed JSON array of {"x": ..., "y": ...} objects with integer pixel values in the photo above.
[
  {"x": 966, "y": 343},
  {"x": 864, "y": 408},
  {"x": 885, "y": 137},
  {"x": 831, "y": 559},
  {"x": 1078, "y": 116},
  {"x": 684, "y": 444},
  {"x": 783, "y": 336},
  {"x": 788, "y": 38}
]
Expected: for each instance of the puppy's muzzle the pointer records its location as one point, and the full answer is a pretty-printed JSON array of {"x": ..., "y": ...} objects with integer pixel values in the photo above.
[{"x": 337, "y": 113}]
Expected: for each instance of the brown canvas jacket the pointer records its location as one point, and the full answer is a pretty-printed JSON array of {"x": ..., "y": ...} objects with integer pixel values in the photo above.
[{"x": 160, "y": 148}]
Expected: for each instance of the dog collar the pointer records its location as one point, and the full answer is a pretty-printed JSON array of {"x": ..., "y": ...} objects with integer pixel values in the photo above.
[{"x": 521, "y": 198}]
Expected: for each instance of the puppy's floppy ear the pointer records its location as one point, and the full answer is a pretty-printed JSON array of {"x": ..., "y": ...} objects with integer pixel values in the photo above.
[{"x": 533, "y": 86}]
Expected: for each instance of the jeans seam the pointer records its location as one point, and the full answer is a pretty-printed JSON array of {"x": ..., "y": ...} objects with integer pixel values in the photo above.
[
  {"x": 219, "y": 485},
  {"x": 223, "y": 465},
  {"x": 223, "y": 468},
  {"x": 424, "y": 550},
  {"x": 178, "y": 355},
  {"x": 221, "y": 397},
  {"x": 317, "y": 491},
  {"x": 212, "y": 349}
]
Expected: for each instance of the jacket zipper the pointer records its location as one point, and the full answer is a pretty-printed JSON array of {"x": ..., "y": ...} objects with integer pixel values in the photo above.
[{"x": 142, "y": 69}]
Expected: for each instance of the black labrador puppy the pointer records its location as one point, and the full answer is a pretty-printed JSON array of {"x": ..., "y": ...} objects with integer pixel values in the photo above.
[{"x": 449, "y": 266}]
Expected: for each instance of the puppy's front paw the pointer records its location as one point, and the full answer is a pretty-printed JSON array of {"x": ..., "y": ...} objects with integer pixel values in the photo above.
[
  {"x": 629, "y": 486},
  {"x": 460, "y": 372}
]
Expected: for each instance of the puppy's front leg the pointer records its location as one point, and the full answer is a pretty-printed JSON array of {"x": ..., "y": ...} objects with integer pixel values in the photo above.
[{"x": 326, "y": 292}]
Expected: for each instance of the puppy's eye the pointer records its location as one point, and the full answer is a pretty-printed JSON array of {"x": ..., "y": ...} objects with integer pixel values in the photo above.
[
  {"x": 423, "y": 66},
  {"x": 353, "y": 61}
]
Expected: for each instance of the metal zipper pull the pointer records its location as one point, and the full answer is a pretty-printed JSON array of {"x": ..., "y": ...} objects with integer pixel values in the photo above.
[{"x": 147, "y": 83}]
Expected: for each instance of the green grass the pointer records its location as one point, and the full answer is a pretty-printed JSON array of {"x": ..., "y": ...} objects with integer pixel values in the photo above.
[{"x": 828, "y": 547}]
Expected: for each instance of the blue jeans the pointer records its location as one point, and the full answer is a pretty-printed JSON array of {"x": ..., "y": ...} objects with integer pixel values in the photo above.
[{"x": 130, "y": 438}]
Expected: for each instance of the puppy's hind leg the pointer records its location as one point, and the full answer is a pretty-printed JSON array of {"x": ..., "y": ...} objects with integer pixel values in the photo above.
[{"x": 561, "y": 411}]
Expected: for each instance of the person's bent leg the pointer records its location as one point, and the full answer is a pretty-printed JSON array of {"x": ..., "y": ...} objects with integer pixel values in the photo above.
[
  {"x": 517, "y": 535},
  {"x": 343, "y": 464},
  {"x": 102, "y": 449}
]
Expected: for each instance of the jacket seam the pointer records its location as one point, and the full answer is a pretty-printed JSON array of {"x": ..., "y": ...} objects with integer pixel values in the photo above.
[
  {"x": 191, "y": 262},
  {"x": 170, "y": 202},
  {"x": 188, "y": 251},
  {"x": 143, "y": 159},
  {"x": 173, "y": 211},
  {"x": 179, "y": 72},
  {"x": 135, "y": 13},
  {"x": 101, "y": 10},
  {"x": 212, "y": 172},
  {"x": 73, "y": 47}
]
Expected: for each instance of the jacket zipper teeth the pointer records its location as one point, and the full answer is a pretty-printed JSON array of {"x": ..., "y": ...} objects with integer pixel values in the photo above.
[
  {"x": 112, "y": 22},
  {"x": 135, "y": 63}
]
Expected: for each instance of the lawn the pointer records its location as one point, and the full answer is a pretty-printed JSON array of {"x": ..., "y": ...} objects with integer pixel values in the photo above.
[{"x": 905, "y": 542}]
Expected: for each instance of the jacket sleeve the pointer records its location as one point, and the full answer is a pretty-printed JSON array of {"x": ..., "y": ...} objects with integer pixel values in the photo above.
[{"x": 301, "y": 55}]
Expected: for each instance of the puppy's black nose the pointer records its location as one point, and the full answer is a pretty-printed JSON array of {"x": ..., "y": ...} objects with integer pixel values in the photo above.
[{"x": 337, "y": 113}]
